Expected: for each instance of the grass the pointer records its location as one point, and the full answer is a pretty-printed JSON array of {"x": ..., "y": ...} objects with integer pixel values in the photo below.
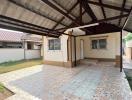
[
  {"x": 2, "y": 88},
  {"x": 15, "y": 65},
  {"x": 128, "y": 73},
  {"x": 4, "y": 92}
]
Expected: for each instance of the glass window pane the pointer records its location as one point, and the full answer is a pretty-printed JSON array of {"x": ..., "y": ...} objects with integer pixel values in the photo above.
[
  {"x": 94, "y": 44},
  {"x": 102, "y": 43},
  {"x": 57, "y": 44},
  {"x": 51, "y": 44}
]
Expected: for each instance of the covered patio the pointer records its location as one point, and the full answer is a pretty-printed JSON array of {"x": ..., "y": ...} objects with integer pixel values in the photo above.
[
  {"x": 96, "y": 81},
  {"x": 52, "y": 19}
]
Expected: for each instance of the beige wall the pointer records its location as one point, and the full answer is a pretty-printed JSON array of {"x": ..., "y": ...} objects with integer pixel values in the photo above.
[
  {"x": 56, "y": 55},
  {"x": 113, "y": 48}
]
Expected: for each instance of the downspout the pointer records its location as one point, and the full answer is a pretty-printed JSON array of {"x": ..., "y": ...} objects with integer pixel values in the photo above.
[{"x": 24, "y": 49}]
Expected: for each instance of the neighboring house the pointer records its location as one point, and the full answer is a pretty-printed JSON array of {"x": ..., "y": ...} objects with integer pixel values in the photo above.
[
  {"x": 68, "y": 51},
  {"x": 17, "y": 46},
  {"x": 128, "y": 45}
]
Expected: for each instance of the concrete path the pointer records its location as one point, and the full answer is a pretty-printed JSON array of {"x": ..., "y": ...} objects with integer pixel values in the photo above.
[
  {"x": 101, "y": 81},
  {"x": 127, "y": 64}
]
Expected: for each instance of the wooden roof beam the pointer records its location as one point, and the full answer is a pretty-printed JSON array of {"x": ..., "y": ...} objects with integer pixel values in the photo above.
[
  {"x": 103, "y": 11},
  {"x": 67, "y": 13},
  {"x": 63, "y": 8},
  {"x": 127, "y": 18},
  {"x": 59, "y": 10},
  {"x": 123, "y": 5},
  {"x": 28, "y": 26},
  {"x": 72, "y": 24},
  {"x": 99, "y": 21},
  {"x": 89, "y": 11},
  {"x": 80, "y": 1}
]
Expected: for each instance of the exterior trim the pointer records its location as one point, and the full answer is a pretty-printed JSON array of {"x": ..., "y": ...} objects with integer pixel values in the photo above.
[
  {"x": 62, "y": 64},
  {"x": 102, "y": 59}
]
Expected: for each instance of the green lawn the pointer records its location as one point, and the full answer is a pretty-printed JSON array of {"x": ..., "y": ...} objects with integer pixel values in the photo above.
[
  {"x": 2, "y": 88},
  {"x": 15, "y": 65},
  {"x": 128, "y": 73}
]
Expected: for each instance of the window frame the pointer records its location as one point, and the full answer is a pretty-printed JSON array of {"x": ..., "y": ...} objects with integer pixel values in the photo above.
[
  {"x": 54, "y": 44},
  {"x": 98, "y": 44},
  {"x": 31, "y": 45}
]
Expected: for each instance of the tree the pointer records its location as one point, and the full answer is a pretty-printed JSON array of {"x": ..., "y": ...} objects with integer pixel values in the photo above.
[{"x": 128, "y": 37}]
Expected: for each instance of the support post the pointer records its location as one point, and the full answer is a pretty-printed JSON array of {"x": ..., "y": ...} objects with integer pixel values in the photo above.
[
  {"x": 70, "y": 61},
  {"x": 121, "y": 64},
  {"x": 75, "y": 51}
]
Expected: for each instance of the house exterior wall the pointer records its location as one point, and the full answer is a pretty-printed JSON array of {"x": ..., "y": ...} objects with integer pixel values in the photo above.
[
  {"x": 56, "y": 55},
  {"x": 128, "y": 50},
  {"x": 31, "y": 54},
  {"x": 61, "y": 56},
  {"x": 113, "y": 46},
  {"x": 128, "y": 53}
]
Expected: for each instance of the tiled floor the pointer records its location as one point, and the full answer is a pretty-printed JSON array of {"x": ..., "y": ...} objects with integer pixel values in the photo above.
[{"x": 100, "y": 81}]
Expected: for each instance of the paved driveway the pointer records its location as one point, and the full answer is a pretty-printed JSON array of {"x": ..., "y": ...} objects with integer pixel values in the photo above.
[{"x": 101, "y": 81}]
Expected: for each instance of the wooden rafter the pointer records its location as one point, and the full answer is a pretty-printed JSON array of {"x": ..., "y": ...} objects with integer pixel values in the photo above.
[
  {"x": 89, "y": 10},
  {"x": 23, "y": 26},
  {"x": 99, "y": 21},
  {"x": 80, "y": 1},
  {"x": 109, "y": 6},
  {"x": 13, "y": 24},
  {"x": 102, "y": 28},
  {"x": 59, "y": 10},
  {"x": 103, "y": 11},
  {"x": 123, "y": 5},
  {"x": 67, "y": 13},
  {"x": 127, "y": 18},
  {"x": 72, "y": 24},
  {"x": 63, "y": 8},
  {"x": 34, "y": 11}
]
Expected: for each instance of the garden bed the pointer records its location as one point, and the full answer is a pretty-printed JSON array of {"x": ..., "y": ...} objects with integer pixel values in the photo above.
[{"x": 128, "y": 73}]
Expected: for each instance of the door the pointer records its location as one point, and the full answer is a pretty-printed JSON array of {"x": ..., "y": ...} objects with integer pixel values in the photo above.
[{"x": 82, "y": 51}]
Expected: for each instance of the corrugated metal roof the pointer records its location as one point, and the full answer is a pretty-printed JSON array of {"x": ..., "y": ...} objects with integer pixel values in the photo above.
[{"x": 16, "y": 11}]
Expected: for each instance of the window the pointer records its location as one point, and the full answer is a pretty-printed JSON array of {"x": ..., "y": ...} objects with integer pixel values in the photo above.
[
  {"x": 102, "y": 43},
  {"x": 54, "y": 44},
  {"x": 1, "y": 45},
  {"x": 99, "y": 44},
  {"x": 10, "y": 45},
  {"x": 29, "y": 45},
  {"x": 94, "y": 44}
]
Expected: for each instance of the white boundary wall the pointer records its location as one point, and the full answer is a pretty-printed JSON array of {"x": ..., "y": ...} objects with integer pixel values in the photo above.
[{"x": 11, "y": 54}]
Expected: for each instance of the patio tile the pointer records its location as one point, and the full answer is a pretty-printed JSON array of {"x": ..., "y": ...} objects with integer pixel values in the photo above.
[{"x": 100, "y": 81}]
